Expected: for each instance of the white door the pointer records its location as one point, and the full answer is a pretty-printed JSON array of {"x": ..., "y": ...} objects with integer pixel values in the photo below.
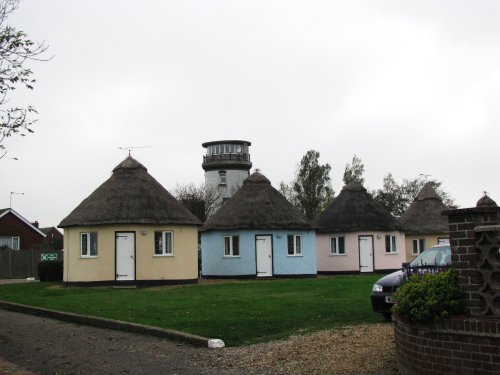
[
  {"x": 264, "y": 253},
  {"x": 365, "y": 253},
  {"x": 125, "y": 256}
]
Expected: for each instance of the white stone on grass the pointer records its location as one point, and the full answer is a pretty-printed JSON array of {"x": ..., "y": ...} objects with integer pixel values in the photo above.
[{"x": 216, "y": 343}]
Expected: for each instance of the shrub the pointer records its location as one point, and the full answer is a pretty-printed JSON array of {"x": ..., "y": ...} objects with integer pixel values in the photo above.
[
  {"x": 50, "y": 270},
  {"x": 428, "y": 297}
]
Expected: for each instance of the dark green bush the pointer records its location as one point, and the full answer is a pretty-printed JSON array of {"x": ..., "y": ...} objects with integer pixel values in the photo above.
[
  {"x": 428, "y": 297},
  {"x": 50, "y": 270}
]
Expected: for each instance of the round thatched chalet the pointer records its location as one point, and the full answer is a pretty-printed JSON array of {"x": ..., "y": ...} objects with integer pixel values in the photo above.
[
  {"x": 130, "y": 230},
  {"x": 356, "y": 234},
  {"x": 258, "y": 233},
  {"x": 424, "y": 222}
]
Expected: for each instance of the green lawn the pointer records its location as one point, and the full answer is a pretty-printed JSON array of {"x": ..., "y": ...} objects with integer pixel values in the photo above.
[{"x": 239, "y": 312}]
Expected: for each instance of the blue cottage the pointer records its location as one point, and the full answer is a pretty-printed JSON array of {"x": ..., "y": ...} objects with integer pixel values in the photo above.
[{"x": 258, "y": 233}]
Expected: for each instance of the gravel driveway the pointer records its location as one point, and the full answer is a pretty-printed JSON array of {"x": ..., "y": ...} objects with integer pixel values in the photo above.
[{"x": 49, "y": 346}]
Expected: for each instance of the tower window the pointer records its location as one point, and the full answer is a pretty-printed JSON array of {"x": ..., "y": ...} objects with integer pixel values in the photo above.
[{"x": 222, "y": 177}]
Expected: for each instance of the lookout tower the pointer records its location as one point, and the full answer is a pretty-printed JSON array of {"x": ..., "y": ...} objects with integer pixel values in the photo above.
[{"x": 226, "y": 165}]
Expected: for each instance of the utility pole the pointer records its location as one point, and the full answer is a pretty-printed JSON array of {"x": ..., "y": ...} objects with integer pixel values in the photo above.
[{"x": 11, "y": 194}]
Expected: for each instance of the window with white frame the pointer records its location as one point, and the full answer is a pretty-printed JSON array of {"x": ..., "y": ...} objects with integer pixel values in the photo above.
[
  {"x": 222, "y": 178},
  {"x": 294, "y": 246},
  {"x": 10, "y": 242},
  {"x": 164, "y": 243},
  {"x": 418, "y": 245},
  {"x": 443, "y": 241},
  {"x": 390, "y": 244},
  {"x": 232, "y": 246},
  {"x": 337, "y": 245},
  {"x": 88, "y": 244}
]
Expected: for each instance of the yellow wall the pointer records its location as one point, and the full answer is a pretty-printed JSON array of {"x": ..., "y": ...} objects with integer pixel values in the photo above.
[
  {"x": 430, "y": 240},
  {"x": 181, "y": 266}
]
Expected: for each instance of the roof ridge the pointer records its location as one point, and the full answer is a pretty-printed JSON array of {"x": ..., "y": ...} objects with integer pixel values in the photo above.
[{"x": 428, "y": 192}]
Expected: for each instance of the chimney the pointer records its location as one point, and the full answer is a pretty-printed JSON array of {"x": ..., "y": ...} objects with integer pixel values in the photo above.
[{"x": 35, "y": 224}]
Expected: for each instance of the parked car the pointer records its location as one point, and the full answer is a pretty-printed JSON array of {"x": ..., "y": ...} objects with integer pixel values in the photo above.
[{"x": 433, "y": 259}]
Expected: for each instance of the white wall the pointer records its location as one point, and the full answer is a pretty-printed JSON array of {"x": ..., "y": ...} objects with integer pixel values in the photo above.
[{"x": 234, "y": 180}]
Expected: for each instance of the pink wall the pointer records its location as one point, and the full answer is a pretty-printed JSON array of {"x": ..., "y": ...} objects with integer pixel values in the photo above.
[
  {"x": 337, "y": 263},
  {"x": 350, "y": 261}
]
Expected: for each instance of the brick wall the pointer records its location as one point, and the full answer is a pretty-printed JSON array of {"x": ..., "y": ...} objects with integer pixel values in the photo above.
[
  {"x": 468, "y": 344},
  {"x": 467, "y": 259},
  {"x": 460, "y": 345}
]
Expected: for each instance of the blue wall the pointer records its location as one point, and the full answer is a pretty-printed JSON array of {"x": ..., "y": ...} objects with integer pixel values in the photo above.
[{"x": 213, "y": 262}]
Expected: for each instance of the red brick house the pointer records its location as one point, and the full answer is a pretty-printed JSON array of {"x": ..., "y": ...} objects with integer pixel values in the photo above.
[
  {"x": 17, "y": 233},
  {"x": 54, "y": 240}
]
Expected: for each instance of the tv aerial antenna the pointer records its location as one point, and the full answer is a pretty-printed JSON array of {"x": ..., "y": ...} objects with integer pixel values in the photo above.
[
  {"x": 130, "y": 148},
  {"x": 425, "y": 176}
]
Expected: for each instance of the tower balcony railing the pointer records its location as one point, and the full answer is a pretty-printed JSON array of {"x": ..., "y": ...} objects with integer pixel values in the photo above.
[{"x": 245, "y": 158}]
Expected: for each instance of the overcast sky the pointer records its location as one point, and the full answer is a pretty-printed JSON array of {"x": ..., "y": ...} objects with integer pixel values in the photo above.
[{"x": 410, "y": 87}]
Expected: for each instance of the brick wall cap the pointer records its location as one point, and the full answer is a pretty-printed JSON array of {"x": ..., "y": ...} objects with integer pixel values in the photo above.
[
  {"x": 473, "y": 210},
  {"x": 487, "y": 228}
]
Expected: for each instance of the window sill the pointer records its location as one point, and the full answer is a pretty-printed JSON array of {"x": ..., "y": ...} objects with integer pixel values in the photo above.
[
  {"x": 162, "y": 255},
  {"x": 391, "y": 253},
  {"x": 231, "y": 256},
  {"x": 89, "y": 257},
  {"x": 338, "y": 255},
  {"x": 295, "y": 255}
]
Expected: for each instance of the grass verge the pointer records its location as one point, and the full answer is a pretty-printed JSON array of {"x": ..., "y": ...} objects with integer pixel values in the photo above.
[{"x": 239, "y": 312}]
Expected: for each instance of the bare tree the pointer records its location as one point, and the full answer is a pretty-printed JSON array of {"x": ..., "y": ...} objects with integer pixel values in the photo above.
[
  {"x": 200, "y": 199},
  {"x": 15, "y": 50}
]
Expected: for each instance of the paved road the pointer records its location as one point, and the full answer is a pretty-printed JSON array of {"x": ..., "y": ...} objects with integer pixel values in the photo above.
[
  {"x": 48, "y": 346},
  {"x": 17, "y": 281}
]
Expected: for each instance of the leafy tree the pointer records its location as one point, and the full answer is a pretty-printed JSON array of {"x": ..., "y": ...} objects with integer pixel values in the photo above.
[
  {"x": 412, "y": 187},
  {"x": 354, "y": 171},
  {"x": 396, "y": 198},
  {"x": 201, "y": 200},
  {"x": 15, "y": 50},
  {"x": 311, "y": 190},
  {"x": 391, "y": 196}
]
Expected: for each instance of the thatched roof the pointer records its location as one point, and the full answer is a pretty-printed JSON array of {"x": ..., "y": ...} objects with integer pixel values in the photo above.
[
  {"x": 486, "y": 201},
  {"x": 130, "y": 196},
  {"x": 354, "y": 210},
  {"x": 425, "y": 214},
  {"x": 257, "y": 205}
]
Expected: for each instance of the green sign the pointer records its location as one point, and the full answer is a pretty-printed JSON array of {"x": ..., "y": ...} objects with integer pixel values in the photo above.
[{"x": 49, "y": 256}]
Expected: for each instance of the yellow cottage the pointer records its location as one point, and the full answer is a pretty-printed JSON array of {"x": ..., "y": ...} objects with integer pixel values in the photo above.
[
  {"x": 424, "y": 222},
  {"x": 130, "y": 230}
]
